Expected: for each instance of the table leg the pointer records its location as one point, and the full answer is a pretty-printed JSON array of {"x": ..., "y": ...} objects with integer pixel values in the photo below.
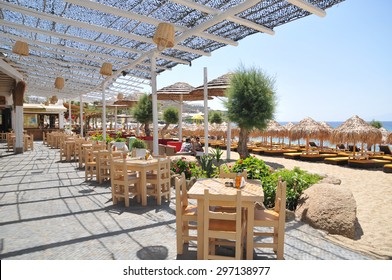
[
  {"x": 143, "y": 187},
  {"x": 249, "y": 232},
  {"x": 200, "y": 228}
]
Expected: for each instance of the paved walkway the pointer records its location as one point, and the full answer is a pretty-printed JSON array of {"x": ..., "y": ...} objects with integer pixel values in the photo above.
[{"x": 48, "y": 211}]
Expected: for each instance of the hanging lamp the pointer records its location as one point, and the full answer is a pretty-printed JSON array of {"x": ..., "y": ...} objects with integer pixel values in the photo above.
[
  {"x": 164, "y": 36},
  {"x": 106, "y": 69},
  {"x": 21, "y": 48},
  {"x": 59, "y": 83}
]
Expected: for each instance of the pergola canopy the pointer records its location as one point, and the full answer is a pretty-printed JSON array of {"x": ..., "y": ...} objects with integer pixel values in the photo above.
[{"x": 72, "y": 38}]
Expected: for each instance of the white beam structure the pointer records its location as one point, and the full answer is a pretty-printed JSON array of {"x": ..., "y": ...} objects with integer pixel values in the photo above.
[{"x": 308, "y": 7}]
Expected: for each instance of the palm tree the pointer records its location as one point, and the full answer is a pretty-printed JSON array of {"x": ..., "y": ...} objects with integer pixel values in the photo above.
[{"x": 251, "y": 103}]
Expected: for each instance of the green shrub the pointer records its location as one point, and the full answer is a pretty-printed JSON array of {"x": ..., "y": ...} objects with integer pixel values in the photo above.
[
  {"x": 139, "y": 144},
  {"x": 209, "y": 169},
  {"x": 297, "y": 180},
  {"x": 255, "y": 167},
  {"x": 190, "y": 168}
]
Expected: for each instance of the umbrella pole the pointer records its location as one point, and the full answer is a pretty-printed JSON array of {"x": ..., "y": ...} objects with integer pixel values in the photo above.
[{"x": 307, "y": 144}]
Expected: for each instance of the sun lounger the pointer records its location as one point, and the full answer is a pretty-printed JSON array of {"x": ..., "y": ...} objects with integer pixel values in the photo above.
[
  {"x": 367, "y": 163},
  {"x": 315, "y": 157},
  {"x": 259, "y": 150},
  {"x": 336, "y": 160},
  {"x": 387, "y": 168},
  {"x": 277, "y": 152},
  {"x": 295, "y": 155}
]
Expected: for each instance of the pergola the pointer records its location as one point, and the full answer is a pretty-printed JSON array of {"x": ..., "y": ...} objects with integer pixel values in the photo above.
[{"x": 72, "y": 38}]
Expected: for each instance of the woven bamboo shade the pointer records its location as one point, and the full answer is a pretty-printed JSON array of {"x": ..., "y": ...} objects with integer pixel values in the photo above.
[
  {"x": 106, "y": 69},
  {"x": 21, "y": 48},
  {"x": 164, "y": 36},
  {"x": 59, "y": 83}
]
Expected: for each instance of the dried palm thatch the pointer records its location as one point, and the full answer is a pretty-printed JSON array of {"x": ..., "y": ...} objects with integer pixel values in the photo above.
[
  {"x": 356, "y": 130},
  {"x": 288, "y": 127},
  {"x": 178, "y": 91},
  {"x": 308, "y": 129},
  {"x": 125, "y": 102},
  {"x": 216, "y": 87},
  {"x": 389, "y": 138},
  {"x": 384, "y": 134},
  {"x": 274, "y": 129}
]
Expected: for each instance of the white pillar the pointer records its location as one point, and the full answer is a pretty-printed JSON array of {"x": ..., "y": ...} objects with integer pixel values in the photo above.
[
  {"x": 61, "y": 120},
  {"x": 205, "y": 112},
  {"x": 180, "y": 119},
  {"x": 115, "y": 119},
  {"x": 103, "y": 112},
  {"x": 18, "y": 129},
  {"x": 154, "y": 104},
  {"x": 70, "y": 114},
  {"x": 81, "y": 115},
  {"x": 228, "y": 142}
]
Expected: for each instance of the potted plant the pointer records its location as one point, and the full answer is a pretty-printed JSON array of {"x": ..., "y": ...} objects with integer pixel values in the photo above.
[{"x": 140, "y": 147}]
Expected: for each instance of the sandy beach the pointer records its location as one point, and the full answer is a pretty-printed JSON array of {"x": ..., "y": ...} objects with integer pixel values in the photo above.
[{"x": 372, "y": 190}]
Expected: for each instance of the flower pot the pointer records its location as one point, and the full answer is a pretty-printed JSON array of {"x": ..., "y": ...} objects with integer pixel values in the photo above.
[{"x": 140, "y": 153}]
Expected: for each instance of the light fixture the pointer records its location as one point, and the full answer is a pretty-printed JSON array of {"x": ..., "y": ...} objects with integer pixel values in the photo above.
[
  {"x": 120, "y": 96},
  {"x": 59, "y": 83},
  {"x": 308, "y": 7},
  {"x": 164, "y": 36},
  {"x": 106, "y": 69},
  {"x": 53, "y": 99},
  {"x": 21, "y": 48}
]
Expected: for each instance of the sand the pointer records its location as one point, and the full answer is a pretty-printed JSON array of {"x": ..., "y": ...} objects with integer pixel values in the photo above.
[{"x": 372, "y": 190}]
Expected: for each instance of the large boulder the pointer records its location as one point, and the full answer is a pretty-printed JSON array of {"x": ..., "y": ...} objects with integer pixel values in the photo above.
[{"x": 328, "y": 207}]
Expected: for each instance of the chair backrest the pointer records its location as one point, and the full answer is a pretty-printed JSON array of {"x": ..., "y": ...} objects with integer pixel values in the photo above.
[
  {"x": 385, "y": 149},
  {"x": 231, "y": 175},
  {"x": 118, "y": 169},
  {"x": 280, "y": 197},
  {"x": 181, "y": 193},
  {"x": 164, "y": 169}
]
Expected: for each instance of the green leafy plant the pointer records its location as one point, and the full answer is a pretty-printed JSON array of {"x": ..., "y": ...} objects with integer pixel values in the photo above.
[
  {"x": 99, "y": 137},
  {"x": 217, "y": 154},
  {"x": 139, "y": 144},
  {"x": 206, "y": 162},
  {"x": 256, "y": 168},
  {"x": 189, "y": 168}
]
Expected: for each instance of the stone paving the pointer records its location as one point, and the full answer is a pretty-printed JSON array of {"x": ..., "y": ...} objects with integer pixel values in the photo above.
[{"x": 49, "y": 212}]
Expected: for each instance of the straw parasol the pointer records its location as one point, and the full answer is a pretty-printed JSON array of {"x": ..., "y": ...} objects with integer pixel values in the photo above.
[
  {"x": 389, "y": 138},
  {"x": 274, "y": 129},
  {"x": 307, "y": 129},
  {"x": 384, "y": 134},
  {"x": 288, "y": 127},
  {"x": 216, "y": 87},
  {"x": 177, "y": 92},
  {"x": 328, "y": 135},
  {"x": 356, "y": 130}
]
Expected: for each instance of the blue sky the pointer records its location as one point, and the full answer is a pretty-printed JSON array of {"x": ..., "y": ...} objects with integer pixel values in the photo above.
[{"x": 327, "y": 68}]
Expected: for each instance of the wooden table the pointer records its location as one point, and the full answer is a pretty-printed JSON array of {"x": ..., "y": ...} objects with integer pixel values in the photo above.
[
  {"x": 250, "y": 193},
  {"x": 142, "y": 166}
]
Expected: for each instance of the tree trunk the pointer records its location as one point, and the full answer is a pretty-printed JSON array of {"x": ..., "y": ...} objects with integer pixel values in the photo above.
[
  {"x": 164, "y": 129},
  {"x": 147, "y": 130},
  {"x": 242, "y": 143}
]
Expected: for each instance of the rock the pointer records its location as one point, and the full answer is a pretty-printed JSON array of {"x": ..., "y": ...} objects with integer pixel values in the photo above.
[
  {"x": 328, "y": 207},
  {"x": 331, "y": 180}
]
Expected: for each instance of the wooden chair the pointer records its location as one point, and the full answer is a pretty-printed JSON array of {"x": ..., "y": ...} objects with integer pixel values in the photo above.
[
  {"x": 123, "y": 183},
  {"x": 231, "y": 175},
  {"x": 158, "y": 184},
  {"x": 270, "y": 218},
  {"x": 221, "y": 227},
  {"x": 90, "y": 165},
  {"x": 103, "y": 165},
  {"x": 63, "y": 151},
  {"x": 185, "y": 213},
  {"x": 44, "y": 138}
]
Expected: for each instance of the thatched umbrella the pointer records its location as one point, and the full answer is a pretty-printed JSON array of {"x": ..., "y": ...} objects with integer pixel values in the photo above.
[
  {"x": 288, "y": 127},
  {"x": 384, "y": 134},
  {"x": 307, "y": 129},
  {"x": 328, "y": 135},
  {"x": 216, "y": 87},
  {"x": 389, "y": 138},
  {"x": 356, "y": 130},
  {"x": 275, "y": 129}
]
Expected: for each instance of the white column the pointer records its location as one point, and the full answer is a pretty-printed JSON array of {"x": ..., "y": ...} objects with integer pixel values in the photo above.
[
  {"x": 103, "y": 111},
  {"x": 228, "y": 142},
  {"x": 61, "y": 120},
  {"x": 180, "y": 119},
  {"x": 81, "y": 115},
  {"x": 205, "y": 112},
  {"x": 115, "y": 119},
  {"x": 154, "y": 104},
  {"x": 18, "y": 129},
  {"x": 70, "y": 114}
]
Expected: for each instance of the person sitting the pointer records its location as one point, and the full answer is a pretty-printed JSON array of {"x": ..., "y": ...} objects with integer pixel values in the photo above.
[
  {"x": 186, "y": 146},
  {"x": 197, "y": 147}
]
